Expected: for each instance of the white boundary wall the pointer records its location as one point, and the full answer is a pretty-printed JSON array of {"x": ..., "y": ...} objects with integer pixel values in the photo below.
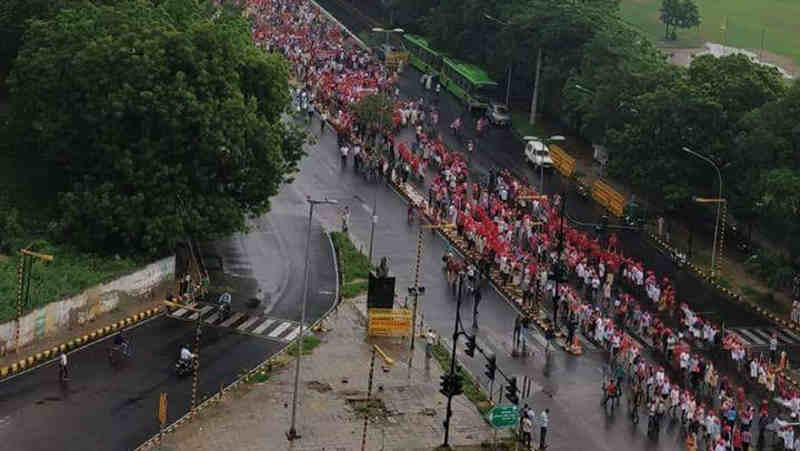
[{"x": 86, "y": 306}]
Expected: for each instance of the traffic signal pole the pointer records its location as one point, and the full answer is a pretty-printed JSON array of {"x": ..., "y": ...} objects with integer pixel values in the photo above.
[{"x": 456, "y": 333}]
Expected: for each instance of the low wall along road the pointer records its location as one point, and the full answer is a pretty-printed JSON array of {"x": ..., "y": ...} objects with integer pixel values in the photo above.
[{"x": 83, "y": 307}]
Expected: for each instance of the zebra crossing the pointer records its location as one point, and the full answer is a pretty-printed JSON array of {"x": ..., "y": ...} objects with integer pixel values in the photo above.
[
  {"x": 760, "y": 336},
  {"x": 258, "y": 325}
]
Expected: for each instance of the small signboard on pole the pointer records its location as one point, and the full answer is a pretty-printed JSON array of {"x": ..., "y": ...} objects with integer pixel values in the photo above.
[
  {"x": 504, "y": 416},
  {"x": 162, "y": 413}
]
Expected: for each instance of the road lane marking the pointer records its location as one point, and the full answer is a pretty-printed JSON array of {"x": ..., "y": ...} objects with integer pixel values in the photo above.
[
  {"x": 202, "y": 311},
  {"x": 211, "y": 319},
  {"x": 293, "y": 334},
  {"x": 263, "y": 326},
  {"x": 279, "y": 330},
  {"x": 183, "y": 311},
  {"x": 232, "y": 319},
  {"x": 749, "y": 336},
  {"x": 248, "y": 323}
]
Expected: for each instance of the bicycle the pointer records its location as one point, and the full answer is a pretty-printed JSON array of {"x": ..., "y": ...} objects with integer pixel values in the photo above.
[{"x": 119, "y": 352}]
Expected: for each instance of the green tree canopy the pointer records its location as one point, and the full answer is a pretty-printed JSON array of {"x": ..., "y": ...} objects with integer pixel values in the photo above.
[
  {"x": 157, "y": 120},
  {"x": 678, "y": 14}
]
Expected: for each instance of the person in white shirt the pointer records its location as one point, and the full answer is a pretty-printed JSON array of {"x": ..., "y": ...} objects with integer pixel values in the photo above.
[
  {"x": 186, "y": 355},
  {"x": 543, "y": 425}
]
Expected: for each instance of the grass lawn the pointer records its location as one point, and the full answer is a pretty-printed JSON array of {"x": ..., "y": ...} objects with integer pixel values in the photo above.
[
  {"x": 69, "y": 273},
  {"x": 353, "y": 264},
  {"x": 746, "y": 19},
  {"x": 519, "y": 121}
]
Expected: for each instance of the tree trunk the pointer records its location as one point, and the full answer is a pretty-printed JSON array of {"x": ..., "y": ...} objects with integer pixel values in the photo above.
[{"x": 666, "y": 31}]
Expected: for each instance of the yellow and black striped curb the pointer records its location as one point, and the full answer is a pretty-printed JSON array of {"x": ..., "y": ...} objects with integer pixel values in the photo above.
[
  {"x": 47, "y": 354},
  {"x": 767, "y": 314}
]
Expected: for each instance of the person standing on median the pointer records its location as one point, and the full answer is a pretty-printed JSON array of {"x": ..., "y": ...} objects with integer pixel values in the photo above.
[
  {"x": 527, "y": 428},
  {"x": 544, "y": 420},
  {"x": 430, "y": 339}
]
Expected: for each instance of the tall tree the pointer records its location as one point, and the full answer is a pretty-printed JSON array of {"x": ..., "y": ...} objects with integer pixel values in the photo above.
[
  {"x": 678, "y": 14},
  {"x": 179, "y": 133}
]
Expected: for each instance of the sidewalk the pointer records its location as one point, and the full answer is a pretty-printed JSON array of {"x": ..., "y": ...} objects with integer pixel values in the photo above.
[{"x": 334, "y": 378}]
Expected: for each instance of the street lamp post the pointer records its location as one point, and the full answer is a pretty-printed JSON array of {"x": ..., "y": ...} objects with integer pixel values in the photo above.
[
  {"x": 292, "y": 434},
  {"x": 719, "y": 206},
  {"x": 508, "y": 82},
  {"x": 388, "y": 31}
]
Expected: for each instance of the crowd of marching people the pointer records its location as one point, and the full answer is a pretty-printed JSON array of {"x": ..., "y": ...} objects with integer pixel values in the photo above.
[{"x": 513, "y": 234}]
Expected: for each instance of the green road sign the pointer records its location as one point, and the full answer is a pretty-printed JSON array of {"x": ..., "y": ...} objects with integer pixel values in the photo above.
[{"x": 504, "y": 416}]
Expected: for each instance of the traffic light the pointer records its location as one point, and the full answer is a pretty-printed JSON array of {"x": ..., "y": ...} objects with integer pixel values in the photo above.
[
  {"x": 456, "y": 386},
  {"x": 491, "y": 367},
  {"x": 511, "y": 391},
  {"x": 445, "y": 384},
  {"x": 470, "y": 351},
  {"x": 451, "y": 385}
]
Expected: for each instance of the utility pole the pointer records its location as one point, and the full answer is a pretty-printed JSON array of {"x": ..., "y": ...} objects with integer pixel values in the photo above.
[
  {"x": 24, "y": 270},
  {"x": 532, "y": 119},
  {"x": 417, "y": 290},
  {"x": 558, "y": 272},
  {"x": 374, "y": 222},
  {"x": 453, "y": 376},
  {"x": 369, "y": 399}
]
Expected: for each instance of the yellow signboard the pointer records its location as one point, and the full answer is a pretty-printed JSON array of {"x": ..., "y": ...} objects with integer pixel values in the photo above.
[
  {"x": 162, "y": 409},
  {"x": 396, "y": 59},
  {"x": 386, "y": 322}
]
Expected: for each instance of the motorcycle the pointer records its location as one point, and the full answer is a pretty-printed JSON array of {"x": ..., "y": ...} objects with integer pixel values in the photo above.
[
  {"x": 184, "y": 368},
  {"x": 678, "y": 258},
  {"x": 224, "y": 303},
  {"x": 119, "y": 352}
]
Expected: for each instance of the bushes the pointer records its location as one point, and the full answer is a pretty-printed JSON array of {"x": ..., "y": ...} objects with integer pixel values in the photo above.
[{"x": 775, "y": 269}]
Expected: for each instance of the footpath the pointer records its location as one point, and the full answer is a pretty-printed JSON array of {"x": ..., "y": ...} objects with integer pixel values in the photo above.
[{"x": 406, "y": 413}]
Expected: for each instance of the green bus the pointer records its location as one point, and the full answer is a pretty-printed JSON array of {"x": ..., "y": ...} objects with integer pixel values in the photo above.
[
  {"x": 421, "y": 55},
  {"x": 468, "y": 82}
]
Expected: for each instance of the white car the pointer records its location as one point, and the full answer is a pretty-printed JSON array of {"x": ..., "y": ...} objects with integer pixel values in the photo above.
[{"x": 537, "y": 153}]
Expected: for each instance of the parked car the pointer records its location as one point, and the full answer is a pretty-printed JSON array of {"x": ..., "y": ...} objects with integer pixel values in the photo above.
[
  {"x": 498, "y": 114},
  {"x": 537, "y": 153}
]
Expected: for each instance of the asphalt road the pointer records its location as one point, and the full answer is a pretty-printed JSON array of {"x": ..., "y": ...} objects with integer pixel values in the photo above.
[{"x": 102, "y": 408}]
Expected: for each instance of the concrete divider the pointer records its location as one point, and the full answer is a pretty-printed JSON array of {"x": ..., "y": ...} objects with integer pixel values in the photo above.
[{"x": 563, "y": 162}]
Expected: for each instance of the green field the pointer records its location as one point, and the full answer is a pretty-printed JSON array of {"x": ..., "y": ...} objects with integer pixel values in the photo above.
[{"x": 779, "y": 20}]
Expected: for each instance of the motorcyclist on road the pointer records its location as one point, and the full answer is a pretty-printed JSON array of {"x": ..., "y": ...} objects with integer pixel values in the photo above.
[
  {"x": 224, "y": 302},
  {"x": 121, "y": 342},
  {"x": 186, "y": 356}
]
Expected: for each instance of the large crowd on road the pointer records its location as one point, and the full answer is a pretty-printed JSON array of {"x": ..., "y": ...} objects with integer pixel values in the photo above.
[{"x": 701, "y": 375}]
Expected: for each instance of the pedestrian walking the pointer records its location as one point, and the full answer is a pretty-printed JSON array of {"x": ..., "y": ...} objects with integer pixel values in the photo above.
[
  {"x": 346, "y": 219},
  {"x": 63, "y": 367},
  {"x": 773, "y": 347},
  {"x": 430, "y": 339},
  {"x": 544, "y": 420},
  {"x": 476, "y": 295},
  {"x": 527, "y": 429}
]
